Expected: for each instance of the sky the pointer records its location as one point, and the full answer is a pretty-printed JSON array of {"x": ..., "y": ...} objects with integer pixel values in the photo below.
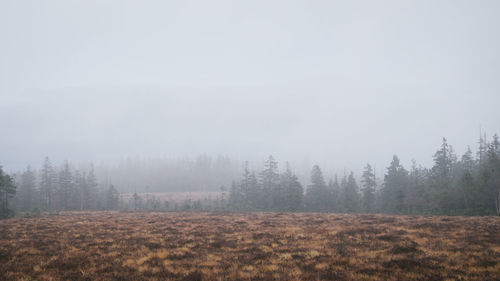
[{"x": 337, "y": 83}]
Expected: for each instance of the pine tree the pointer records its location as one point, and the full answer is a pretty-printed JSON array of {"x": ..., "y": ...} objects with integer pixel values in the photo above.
[
  {"x": 395, "y": 188},
  {"x": 83, "y": 191},
  {"x": 112, "y": 198},
  {"x": 317, "y": 196},
  {"x": 249, "y": 189},
  {"x": 7, "y": 191},
  {"x": 293, "y": 192},
  {"x": 443, "y": 162},
  {"x": 350, "y": 194},
  {"x": 245, "y": 181},
  {"x": 92, "y": 200},
  {"x": 369, "y": 184},
  {"x": 494, "y": 147},
  {"x": 442, "y": 178},
  {"x": 467, "y": 160},
  {"x": 254, "y": 192},
  {"x": 27, "y": 191},
  {"x": 482, "y": 148},
  {"x": 76, "y": 198},
  {"x": 48, "y": 185},
  {"x": 65, "y": 187},
  {"x": 334, "y": 195},
  {"x": 415, "y": 198},
  {"x": 269, "y": 179}
]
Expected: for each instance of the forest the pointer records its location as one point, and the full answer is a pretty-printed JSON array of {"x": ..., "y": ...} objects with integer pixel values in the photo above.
[
  {"x": 452, "y": 186},
  {"x": 465, "y": 185}
]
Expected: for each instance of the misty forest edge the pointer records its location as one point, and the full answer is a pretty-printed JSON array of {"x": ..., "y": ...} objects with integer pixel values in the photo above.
[{"x": 466, "y": 186}]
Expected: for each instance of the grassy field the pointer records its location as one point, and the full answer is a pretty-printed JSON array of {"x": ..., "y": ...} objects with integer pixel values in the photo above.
[{"x": 249, "y": 246}]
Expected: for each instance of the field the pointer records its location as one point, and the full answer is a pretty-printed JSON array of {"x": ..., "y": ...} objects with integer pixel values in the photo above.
[
  {"x": 249, "y": 246},
  {"x": 175, "y": 197}
]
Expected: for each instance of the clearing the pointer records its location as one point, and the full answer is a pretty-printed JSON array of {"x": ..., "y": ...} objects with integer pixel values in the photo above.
[{"x": 249, "y": 246}]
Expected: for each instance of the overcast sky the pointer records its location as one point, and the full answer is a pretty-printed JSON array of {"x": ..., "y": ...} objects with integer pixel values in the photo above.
[{"x": 339, "y": 83}]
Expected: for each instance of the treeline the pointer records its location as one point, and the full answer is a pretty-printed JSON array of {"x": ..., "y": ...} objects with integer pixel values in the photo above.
[
  {"x": 455, "y": 186},
  {"x": 465, "y": 185},
  {"x": 53, "y": 190}
]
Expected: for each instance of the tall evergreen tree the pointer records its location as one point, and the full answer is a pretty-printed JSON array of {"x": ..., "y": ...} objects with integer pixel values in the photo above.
[
  {"x": 494, "y": 147},
  {"x": 293, "y": 192},
  {"x": 468, "y": 188},
  {"x": 467, "y": 161},
  {"x": 317, "y": 196},
  {"x": 416, "y": 196},
  {"x": 442, "y": 177},
  {"x": 443, "y": 162},
  {"x": 84, "y": 194},
  {"x": 269, "y": 181},
  {"x": 395, "y": 187},
  {"x": 350, "y": 195},
  {"x": 483, "y": 145},
  {"x": 48, "y": 185},
  {"x": 369, "y": 185},
  {"x": 7, "y": 192},
  {"x": 92, "y": 200},
  {"x": 112, "y": 198},
  {"x": 27, "y": 191},
  {"x": 245, "y": 189},
  {"x": 65, "y": 187},
  {"x": 334, "y": 194}
]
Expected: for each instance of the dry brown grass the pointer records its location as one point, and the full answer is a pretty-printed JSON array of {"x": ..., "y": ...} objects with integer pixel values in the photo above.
[{"x": 252, "y": 246}]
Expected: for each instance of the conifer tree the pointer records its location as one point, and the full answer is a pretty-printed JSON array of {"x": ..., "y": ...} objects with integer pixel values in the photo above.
[
  {"x": 269, "y": 181},
  {"x": 369, "y": 184},
  {"x": 7, "y": 192},
  {"x": 293, "y": 192},
  {"x": 65, "y": 187},
  {"x": 92, "y": 197},
  {"x": 442, "y": 177},
  {"x": 395, "y": 187},
  {"x": 317, "y": 196},
  {"x": 334, "y": 194},
  {"x": 112, "y": 198},
  {"x": 350, "y": 192},
  {"x": 27, "y": 191},
  {"x": 48, "y": 185}
]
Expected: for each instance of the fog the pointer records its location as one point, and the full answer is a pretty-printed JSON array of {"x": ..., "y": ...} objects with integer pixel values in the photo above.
[{"x": 334, "y": 83}]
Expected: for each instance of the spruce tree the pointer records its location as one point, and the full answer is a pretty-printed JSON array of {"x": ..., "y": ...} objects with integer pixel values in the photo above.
[
  {"x": 254, "y": 192},
  {"x": 334, "y": 195},
  {"x": 92, "y": 200},
  {"x": 27, "y": 191},
  {"x": 368, "y": 190},
  {"x": 7, "y": 192},
  {"x": 442, "y": 178},
  {"x": 317, "y": 196},
  {"x": 269, "y": 181},
  {"x": 351, "y": 197},
  {"x": 293, "y": 192},
  {"x": 48, "y": 185},
  {"x": 395, "y": 187},
  {"x": 112, "y": 198},
  {"x": 65, "y": 187}
]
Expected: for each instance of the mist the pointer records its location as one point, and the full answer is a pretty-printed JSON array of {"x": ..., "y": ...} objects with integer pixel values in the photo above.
[{"x": 330, "y": 83}]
